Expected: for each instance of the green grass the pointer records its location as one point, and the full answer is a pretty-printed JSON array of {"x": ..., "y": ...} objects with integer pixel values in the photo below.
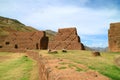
[
  {"x": 16, "y": 68},
  {"x": 70, "y": 65},
  {"x": 109, "y": 70},
  {"x": 78, "y": 69},
  {"x": 104, "y": 64},
  {"x": 62, "y": 67}
]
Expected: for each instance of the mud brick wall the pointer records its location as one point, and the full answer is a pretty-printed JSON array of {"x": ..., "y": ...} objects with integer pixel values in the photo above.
[
  {"x": 66, "y": 38},
  {"x": 24, "y": 40},
  {"x": 114, "y": 37}
]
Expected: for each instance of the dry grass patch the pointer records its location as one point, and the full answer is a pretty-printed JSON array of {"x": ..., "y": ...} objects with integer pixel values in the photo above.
[{"x": 18, "y": 67}]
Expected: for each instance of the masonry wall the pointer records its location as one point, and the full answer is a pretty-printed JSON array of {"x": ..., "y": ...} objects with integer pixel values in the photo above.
[
  {"x": 66, "y": 38},
  {"x": 114, "y": 37},
  {"x": 24, "y": 40}
]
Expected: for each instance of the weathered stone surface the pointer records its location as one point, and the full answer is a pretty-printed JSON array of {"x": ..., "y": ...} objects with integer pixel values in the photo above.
[
  {"x": 114, "y": 37},
  {"x": 66, "y": 38},
  {"x": 23, "y": 41}
]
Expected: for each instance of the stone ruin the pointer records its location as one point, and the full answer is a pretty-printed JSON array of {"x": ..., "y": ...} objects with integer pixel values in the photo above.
[
  {"x": 114, "y": 37},
  {"x": 23, "y": 41},
  {"x": 66, "y": 38}
]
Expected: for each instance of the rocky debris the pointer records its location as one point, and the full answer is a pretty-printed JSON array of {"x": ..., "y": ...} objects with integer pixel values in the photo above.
[
  {"x": 95, "y": 53},
  {"x": 52, "y": 51},
  {"x": 64, "y": 50}
]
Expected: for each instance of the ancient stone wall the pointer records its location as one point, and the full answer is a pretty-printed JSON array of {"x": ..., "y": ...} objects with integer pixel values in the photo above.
[
  {"x": 66, "y": 38},
  {"x": 114, "y": 37},
  {"x": 24, "y": 40}
]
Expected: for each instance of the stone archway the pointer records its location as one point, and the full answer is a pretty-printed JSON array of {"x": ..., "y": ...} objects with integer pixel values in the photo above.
[{"x": 44, "y": 43}]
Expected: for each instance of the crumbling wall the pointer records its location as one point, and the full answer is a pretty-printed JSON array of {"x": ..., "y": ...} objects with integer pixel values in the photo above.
[
  {"x": 66, "y": 38},
  {"x": 24, "y": 40},
  {"x": 114, "y": 37}
]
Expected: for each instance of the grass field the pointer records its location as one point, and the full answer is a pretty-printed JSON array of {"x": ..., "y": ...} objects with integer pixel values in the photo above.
[
  {"x": 104, "y": 64},
  {"x": 15, "y": 66}
]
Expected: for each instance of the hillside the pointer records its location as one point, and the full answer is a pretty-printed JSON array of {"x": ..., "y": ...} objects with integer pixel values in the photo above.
[
  {"x": 101, "y": 49},
  {"x": 9, "y": 25}
]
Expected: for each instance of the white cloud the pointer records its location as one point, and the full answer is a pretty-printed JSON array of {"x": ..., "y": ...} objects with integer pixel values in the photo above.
[{"x": 86, "y": 20}]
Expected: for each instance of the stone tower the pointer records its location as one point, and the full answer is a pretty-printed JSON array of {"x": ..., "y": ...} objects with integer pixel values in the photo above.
[{"x": 114, "y": 37}]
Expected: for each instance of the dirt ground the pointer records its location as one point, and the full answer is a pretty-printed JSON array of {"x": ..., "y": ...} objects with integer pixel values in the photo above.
[{"x": 4, "y": 58}]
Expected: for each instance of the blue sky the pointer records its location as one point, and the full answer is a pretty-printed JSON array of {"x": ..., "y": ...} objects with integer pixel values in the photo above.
[{"x": 90, "y": 17}]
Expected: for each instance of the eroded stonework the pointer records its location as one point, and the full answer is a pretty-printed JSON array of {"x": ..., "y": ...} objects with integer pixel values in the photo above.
[
  {"x": 114, "y": 37},
  {"x": 23, "y": 41},
  {"x": 66, "y": 38}
]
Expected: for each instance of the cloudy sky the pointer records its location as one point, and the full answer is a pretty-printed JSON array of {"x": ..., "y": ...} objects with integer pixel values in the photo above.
[{"x": 90, "y": 17}]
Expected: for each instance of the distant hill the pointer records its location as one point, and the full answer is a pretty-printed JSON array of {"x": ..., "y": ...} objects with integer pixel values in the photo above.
[
  {"x": 100, "y": 49},
  {"x": 50, "y": 34},
  {"x": 9, "y": 25},
  {"x": 88, "y": 48},
  {"x": 96, "y": 49}
]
